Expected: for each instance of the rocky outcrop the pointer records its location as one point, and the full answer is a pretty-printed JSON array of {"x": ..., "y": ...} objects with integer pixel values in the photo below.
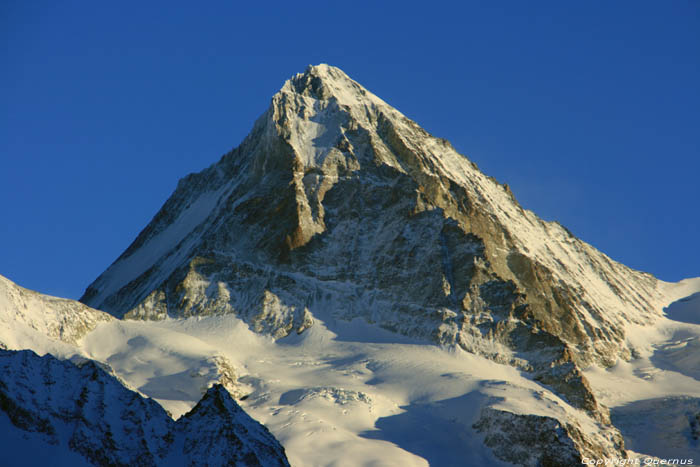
[
  {"x": 534, "y": 440},
  {"x": 56, "y": 318},
  {"x": 89, "y": 412}
]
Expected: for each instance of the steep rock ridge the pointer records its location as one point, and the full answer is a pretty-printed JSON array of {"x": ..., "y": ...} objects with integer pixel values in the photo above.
[
  {"x": 84, "y": 410},
  {"x": 56, "y": 318},
  {"x": 338, "y": 203}
]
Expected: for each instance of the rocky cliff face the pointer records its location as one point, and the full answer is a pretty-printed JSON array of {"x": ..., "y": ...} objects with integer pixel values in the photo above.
[
  {"x": 87, "y": 412},
  {"x": 338, "y": 202}
]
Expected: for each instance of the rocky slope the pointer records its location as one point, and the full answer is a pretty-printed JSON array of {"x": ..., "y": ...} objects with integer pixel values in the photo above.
[
  {"x": 24, "y": 311},
  {"x": 82, "y": 415}
]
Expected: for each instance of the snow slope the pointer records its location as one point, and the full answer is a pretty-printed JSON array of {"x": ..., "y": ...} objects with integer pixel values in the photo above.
[
  {"x": 655, "y": 398},
  {"x": 342, "y": 393},
  {"x": 354, "y": 395},
  {"x": 350, "y": 393}
]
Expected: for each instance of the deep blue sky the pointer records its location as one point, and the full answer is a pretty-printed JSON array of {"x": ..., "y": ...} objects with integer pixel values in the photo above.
[{"x": 589, "y": 110}]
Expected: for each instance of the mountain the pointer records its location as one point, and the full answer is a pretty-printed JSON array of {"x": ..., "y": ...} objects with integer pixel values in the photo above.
[
  {"x": 57, "y": 413},
  {"x": 370, "y": 296},
  {"x": 337, "y": 201}
]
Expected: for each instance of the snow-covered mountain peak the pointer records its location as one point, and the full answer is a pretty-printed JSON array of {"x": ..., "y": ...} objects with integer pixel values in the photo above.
[
  {"x": 326, "y": 82},
  {"x": 315, "y": 113},
  {"x": 337, "y": 203}
]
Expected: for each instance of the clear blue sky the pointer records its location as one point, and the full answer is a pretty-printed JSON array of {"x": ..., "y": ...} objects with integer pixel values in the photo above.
[{"x": 589, "y": 110}]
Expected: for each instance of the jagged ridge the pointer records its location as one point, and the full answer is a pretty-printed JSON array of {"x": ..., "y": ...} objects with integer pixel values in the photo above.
[{"x": 85, "y": 410}]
